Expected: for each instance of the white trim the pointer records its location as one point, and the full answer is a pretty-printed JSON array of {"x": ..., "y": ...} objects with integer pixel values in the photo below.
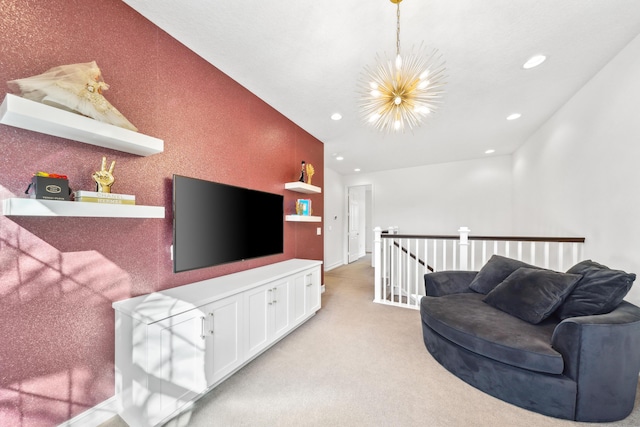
[
  {"x": 334, "y": 265},
  {"x": 95, "y": 416}
]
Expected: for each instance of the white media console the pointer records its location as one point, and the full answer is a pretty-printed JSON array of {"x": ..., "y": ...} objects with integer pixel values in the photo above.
[{"x": 175, "y": 345}]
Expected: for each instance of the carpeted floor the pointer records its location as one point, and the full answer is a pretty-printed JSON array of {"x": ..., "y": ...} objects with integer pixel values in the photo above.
[{"x": 356, "y": 363}]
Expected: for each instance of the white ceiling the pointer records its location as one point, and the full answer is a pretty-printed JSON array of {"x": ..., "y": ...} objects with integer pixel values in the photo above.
[{"x": 304, "y": 58}]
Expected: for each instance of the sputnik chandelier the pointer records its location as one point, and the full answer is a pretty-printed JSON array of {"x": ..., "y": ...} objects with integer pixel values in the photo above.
[{"x": 401, "y": 93}]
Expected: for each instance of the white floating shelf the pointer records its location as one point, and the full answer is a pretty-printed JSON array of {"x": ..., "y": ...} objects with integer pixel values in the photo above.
[
  {"x": 303, "y": 218},
  {"x": 302, "y": 187},
  {"x": 31, "y": 115},
  {"x": 39, "y": 207}
]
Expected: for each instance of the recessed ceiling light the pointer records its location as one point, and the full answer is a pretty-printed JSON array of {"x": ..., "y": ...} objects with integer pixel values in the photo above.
[
  {"x": 514, "y": 116},
  {"x": 534, "y": 61},
  {"x": 336, "y": 116},
  {"x": 490, "y": 151},
  {"x": 356, "y": 170},
  {"x": 339, "y": 158}
]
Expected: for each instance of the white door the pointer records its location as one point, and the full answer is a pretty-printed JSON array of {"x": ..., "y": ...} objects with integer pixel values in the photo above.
[{"x": 354, "y": 226}]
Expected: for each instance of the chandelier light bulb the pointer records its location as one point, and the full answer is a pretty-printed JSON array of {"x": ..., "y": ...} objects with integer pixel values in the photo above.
[
  {"x": 397, "y": 100},
  {"x": 398, "y": 62}
]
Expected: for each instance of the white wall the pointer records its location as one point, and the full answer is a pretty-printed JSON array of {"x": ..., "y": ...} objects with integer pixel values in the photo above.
[
  {"x": 334, "y": 220},
  {"x": 579, "y": 174},
  {"x": 438, "y": 199}
]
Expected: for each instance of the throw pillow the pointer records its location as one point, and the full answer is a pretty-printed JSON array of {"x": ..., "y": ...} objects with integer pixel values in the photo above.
[
  {"x": 532, "y": 294},
  {"x": 600, "y": 290},
  {"x": 494, "y": 272}
]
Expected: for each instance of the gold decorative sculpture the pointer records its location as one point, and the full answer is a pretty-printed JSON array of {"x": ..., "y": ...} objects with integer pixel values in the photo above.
[
  {"x": 104, "y": 178},
  {"x": 310, "y": 172}
]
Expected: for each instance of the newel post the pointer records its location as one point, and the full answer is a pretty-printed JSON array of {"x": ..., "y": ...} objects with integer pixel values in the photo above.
[
  {"x": 377, "y": 263},
  {"x": 464, "y": 247}
]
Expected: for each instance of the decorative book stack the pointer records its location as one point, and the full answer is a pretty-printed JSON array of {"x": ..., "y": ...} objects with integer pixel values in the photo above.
[{"x": 97, "y": 197}]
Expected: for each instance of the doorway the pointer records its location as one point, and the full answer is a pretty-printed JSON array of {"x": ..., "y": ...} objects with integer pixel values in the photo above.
[{"x": 359, "y": 230}]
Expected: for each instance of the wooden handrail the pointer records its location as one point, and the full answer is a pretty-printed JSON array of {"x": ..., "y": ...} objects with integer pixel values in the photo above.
[{"x": 498, "y": 238}]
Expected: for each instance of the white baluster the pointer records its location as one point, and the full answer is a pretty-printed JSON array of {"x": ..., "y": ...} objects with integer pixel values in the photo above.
[
  {"x": 464, "y": 247},
  {"x": 377, "y": 262}
]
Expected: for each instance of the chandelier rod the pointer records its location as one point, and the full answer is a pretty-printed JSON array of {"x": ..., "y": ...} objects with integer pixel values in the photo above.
[{"x": 398, "y": 30}]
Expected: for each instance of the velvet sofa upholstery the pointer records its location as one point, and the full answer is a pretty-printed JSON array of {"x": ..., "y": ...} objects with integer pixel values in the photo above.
[{"x": 580, "y": 368}]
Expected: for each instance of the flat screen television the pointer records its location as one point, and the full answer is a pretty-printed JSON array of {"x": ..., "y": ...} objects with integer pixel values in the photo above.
[{"x": 216, "y": 223}]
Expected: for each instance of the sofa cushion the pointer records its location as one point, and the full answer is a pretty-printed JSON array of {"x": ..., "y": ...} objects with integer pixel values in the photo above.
[
  {"x": 532, "y": 294},
  {"x": 494, "y": 272},
  {"x": 467, "y": 321},
  {"x": 600, "y": 290}
]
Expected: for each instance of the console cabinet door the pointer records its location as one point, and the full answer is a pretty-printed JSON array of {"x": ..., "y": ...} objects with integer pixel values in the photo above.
[
  {"x": 313, "y": 288},
  {"x": 281, "y": 321},
  {"x": 268, "y": 316},
  {"x": 176, "y": 363},
  {"x": 306, "y": 295},
  {"x": 223, "y": 343}
]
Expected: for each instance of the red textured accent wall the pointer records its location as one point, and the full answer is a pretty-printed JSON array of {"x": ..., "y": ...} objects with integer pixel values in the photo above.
[{"x": 59, "y": 276}]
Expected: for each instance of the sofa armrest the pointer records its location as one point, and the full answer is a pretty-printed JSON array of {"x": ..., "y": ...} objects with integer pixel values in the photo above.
[
  {"x": 602, "y": 355},
  {"x": 448, "y": 282}
]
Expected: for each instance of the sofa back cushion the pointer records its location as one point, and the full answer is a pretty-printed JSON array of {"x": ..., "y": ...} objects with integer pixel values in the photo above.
[
  {"x": 494, "y": 272},
  {"x": 532, "y": 294},
  {"x": 600, "y": 290}
]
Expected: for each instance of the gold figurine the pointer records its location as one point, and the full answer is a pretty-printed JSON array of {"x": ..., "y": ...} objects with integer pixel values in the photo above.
[
  {"x": 310, "y": 172},
  {"x": 104, "y": 178}
]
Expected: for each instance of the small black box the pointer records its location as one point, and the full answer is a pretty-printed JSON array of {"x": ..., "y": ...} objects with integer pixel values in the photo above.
[{"x": 50, "y": 188}]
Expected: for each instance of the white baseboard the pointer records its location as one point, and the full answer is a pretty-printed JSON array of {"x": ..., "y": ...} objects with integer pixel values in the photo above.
[
  {"x": 332, "y": 266},
  {"x": 94, "y": 416}
]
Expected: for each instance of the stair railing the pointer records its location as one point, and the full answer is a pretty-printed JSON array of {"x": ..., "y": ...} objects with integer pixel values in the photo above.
[{"x": 401, "y": 260}]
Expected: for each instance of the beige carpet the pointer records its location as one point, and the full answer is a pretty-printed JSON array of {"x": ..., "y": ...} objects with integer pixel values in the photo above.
[{"x": 356, "y": 363}]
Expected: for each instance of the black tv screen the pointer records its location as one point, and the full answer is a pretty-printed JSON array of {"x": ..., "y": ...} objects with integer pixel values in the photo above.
[{"x": 216, "y": 223}]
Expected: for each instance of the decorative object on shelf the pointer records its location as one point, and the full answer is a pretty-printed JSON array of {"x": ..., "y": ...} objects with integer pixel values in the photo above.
[
  {"x": 404, "y": 92},
  {"x": 75, "y": 87},
  {"x": 303, "y": 172},
  {"x": 310, "y": 172},
  {"x": 49, "y": 186},
  {"x": 303, "y": 207},
  {"x": 98, "y": 197},
  {"x": 104, "y": 178}
]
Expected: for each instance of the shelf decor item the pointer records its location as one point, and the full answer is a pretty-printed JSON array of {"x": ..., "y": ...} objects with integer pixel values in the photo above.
[
  {"x": 310, "y": 172},
  {"x": 97, "y": 197},
  {"x": 104, "y": 178},
  {"x": 303, "y": 172},
  {"x": 75, "y": 87},
  {"x": 48, "y": 186},
  {"x": 303, "y": 207}
]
